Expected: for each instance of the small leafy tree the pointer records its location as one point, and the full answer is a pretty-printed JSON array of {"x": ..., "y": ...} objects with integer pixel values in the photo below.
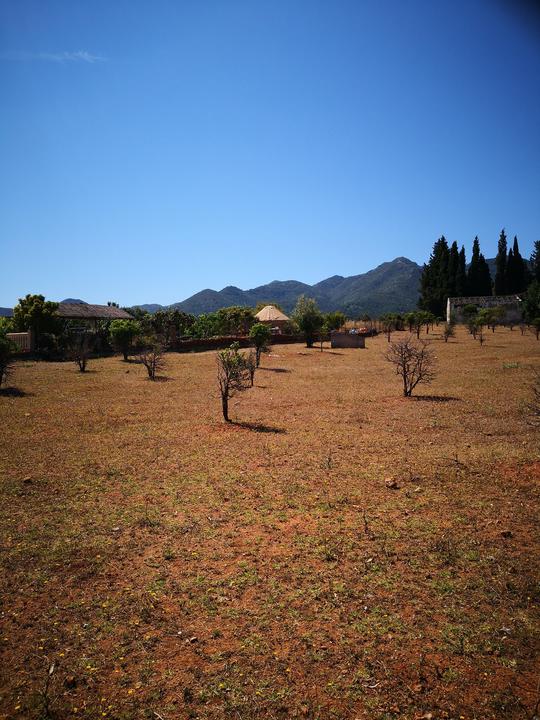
[
  {"x": 480, "y": 334},
  {"x": 449, "y": 331},
  {"x": 151, "y": 356},
  {"x": 410, "y": 320},
  {"x": 122, "y": 334},
  {"x": 251, "y": 364},
  {"x": 6, "y": 358},
  {"x": 469, "y": 311},
  {"x": 260, "y": 335},
  {"x": 233, "y": 375},
  {"x": 388, "y": 324},
  {"x": 308, "y": 317},
  {"x": 413, "y": 361},
  {"x": 535, "y": 324}
]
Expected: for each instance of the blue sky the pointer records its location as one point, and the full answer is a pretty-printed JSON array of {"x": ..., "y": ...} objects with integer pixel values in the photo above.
[{"x": 149, "y": 150}]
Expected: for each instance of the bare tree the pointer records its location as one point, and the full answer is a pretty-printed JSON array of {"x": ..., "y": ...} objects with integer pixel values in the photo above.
[
  {"x": 413, "y": 361},
  {"x": 152, "y": 357},
  {"x": 80, "y": 347},
  {"x": 233, "y": 375}
]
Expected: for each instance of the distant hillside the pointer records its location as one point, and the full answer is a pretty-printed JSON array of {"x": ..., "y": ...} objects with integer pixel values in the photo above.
[
  {"x": 74, "y": 301},
  {"x": 149, "y": 307},
  {"x": 390, "y": 287},
  {"x": 6, "y": 312}
]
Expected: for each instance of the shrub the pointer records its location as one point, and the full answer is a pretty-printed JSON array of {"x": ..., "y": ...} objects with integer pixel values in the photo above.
[{"x": 6, "y": 358}]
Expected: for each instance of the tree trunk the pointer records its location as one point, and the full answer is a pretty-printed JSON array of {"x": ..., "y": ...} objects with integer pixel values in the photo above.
[
  {"x": 125, "y": 355},
  {"x": 225, "y": 407}
]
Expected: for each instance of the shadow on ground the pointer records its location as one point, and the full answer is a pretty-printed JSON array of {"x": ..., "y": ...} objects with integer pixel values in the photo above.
[
  {"x": 14, "y": 392},
  {"x": 276, "y": 370},
  {"x": 259, "y": 427},
  {"x": 434, "y": 398}
]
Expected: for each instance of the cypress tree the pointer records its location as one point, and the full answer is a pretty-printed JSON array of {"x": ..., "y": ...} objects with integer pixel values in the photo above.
[
  {"x": 461, "y": 274},
  {"x": 478, "y": 277},
  {"x": 520, "y": 270},
  {"x": 434, "y": 283},
  {"x": 501, "y": 265},
  {"x": 485, "y": 284},
  {"x": 472, "y": 275},
  {"x": 510, "y": 284},
  {"x": 535, "y": 261},
  {"x": 453, "y": 267}
]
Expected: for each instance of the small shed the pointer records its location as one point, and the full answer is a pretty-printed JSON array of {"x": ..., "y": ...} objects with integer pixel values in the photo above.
[
  {"x": 350, "y": 339},
  {"x": 270, "y": 315}
]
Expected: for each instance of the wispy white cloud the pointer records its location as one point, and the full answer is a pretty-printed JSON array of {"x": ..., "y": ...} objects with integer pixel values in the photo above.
[{"x": 79, "y": 56}]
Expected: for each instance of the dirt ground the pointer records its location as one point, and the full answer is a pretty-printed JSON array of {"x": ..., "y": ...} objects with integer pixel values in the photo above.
[{"x": 158, "y": 563}]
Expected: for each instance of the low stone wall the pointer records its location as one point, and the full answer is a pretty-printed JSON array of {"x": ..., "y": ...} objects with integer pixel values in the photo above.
[{"x": 224, "y": 341}]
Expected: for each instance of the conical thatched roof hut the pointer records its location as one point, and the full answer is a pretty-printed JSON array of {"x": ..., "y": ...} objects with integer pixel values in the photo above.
[{"x": 270, "y": 315}]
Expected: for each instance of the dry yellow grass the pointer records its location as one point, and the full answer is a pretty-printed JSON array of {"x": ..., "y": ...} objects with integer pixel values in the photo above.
[{"x": 173, "y": 566}]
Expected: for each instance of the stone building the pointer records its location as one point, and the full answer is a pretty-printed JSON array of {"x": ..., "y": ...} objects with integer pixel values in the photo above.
[{"x": 510, "y": 303}]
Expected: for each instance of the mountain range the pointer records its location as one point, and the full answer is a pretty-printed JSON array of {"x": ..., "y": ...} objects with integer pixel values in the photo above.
[{"x": 390, "y": 287}]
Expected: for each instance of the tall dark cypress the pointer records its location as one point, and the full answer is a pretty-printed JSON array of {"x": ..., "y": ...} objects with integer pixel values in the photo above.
[
  {"x": 478, "y": 276},
  {"x": 461, "y": 274},
  {"x": 535, "y": 261},
  {"x": 434, "y": 281},
  {"x": 501, "y": 265},
  {"x": 511, "y": 280},
  {"x": 472, "y": 275},
  {"x": 520, "y": 271},
  {"x": 453, "y": 266},
  {"x": 485, "y": 284}
]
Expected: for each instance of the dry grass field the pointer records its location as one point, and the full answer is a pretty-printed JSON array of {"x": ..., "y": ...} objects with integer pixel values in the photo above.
[{"x": 165, "y": 565}]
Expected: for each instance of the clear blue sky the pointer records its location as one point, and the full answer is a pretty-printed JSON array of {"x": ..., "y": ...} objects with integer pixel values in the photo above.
[{"x": 151, "y": 149}]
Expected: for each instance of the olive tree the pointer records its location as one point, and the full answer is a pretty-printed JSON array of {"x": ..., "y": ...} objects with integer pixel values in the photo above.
[
  {"x": 308, "y": 317},
  {"x": 413, "y": 361},
  {"x": 122, "y": 334},
  {"x": 260, "y": 335},
  {"x": 233, "y": 375},
  {"x": 449, "y": 331}
]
